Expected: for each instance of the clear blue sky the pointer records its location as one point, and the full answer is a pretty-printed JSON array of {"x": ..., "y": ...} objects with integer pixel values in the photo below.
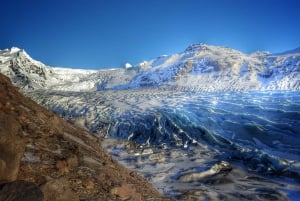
[{"x": 108, "y": 33}]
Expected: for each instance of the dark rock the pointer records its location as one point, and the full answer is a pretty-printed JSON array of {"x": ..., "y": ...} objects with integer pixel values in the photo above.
[{"x": 20, "y": 191}]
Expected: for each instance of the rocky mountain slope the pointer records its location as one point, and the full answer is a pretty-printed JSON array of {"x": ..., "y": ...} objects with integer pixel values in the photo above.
[
  {"x": 199, "y": 68},
  {"x": 44, "y": 158}
]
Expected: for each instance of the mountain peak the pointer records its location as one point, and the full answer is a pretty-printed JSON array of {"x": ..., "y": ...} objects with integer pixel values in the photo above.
[
  {"x": 260, "y": 54},
  {"x": 15, "y": 50},
  {"x": 18, "y": 52},
  {"x": 196, "y": 47},
  {"x": 128, "y": 65}
]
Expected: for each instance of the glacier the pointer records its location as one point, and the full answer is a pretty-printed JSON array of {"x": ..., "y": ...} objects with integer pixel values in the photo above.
[{"x": 209, "y": 122}]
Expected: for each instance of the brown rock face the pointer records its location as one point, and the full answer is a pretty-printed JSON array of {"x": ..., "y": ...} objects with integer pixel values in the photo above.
[
  {"x": 12, "y": 145},
  {"x": 65, "y": 162},
  {"x": 126, "y": 192},
  {"x": 59, "y": 190},
  {"x": 12, "y": 148}
]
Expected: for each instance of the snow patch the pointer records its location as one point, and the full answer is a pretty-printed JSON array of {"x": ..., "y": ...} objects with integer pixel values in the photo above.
[{"x": 128, "y": 65}]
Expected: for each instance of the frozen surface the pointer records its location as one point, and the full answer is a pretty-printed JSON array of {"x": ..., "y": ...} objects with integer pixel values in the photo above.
[{"x": 181, "y": 136}]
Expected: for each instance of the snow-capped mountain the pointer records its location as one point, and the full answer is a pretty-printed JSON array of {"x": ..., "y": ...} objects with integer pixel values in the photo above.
[
  {"x": 199, "y": 68},
  {"x": 29, "y": 74},
  {"x": 23, "y": 70},
  {"x": 211, "y": 68}
]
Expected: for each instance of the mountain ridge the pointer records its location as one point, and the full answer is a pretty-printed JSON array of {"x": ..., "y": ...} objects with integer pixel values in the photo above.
[{"x": 191, "y": 70}]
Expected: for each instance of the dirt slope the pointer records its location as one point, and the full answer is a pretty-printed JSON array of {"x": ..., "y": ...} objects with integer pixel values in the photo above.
[{"x": 53, "y": 160}]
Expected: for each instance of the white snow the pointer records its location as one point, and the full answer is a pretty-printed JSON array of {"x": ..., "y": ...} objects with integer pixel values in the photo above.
[
  {"x": 14, "y": 50},
  {"x": 128, "y": 65},
  {"x": 199, "y": 68}
]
